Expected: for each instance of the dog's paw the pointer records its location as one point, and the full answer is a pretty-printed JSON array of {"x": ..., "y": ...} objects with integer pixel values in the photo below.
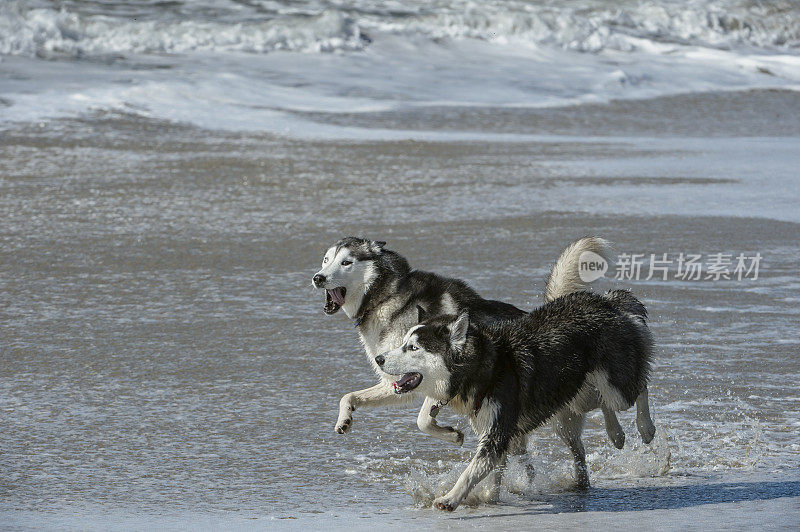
[
  {"x": 525, "y": 478},
  {"x": 646, "y": 429},
  {"x": 445, "y": 504},
  {"x": 343, "y": 425},
  {"x": 456, "y": 436},
  {"x": 581, "y": 484}
]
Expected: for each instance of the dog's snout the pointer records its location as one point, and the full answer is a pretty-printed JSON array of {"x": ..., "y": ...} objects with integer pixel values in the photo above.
[
  {"x": 380, "y": 360},
  {"x": 318, "y": 280}
]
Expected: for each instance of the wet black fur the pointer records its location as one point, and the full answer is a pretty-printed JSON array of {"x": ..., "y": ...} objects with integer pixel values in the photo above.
[{"x": 532, "y": 366}]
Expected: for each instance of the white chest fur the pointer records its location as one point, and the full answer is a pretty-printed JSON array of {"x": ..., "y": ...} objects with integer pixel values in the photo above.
[
  {"x": 482, "y": 420},
  {"x": 380, "y": 333}
]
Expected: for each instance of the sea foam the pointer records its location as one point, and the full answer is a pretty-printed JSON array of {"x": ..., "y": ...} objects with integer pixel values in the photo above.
[
  {"x": 26, "y": 28},
  {"x": 264, "y": 65}
]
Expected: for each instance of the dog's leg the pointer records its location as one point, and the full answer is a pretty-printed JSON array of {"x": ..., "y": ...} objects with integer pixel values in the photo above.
[
  {"x": 426, "y": 421},
  {"x": 606, "y": 398},
  {"x": 487, "y": 457},
  {"x": 519, "y": 449},
  {"x": 591, "y": 400},
  {"x": 643, "y": 420},
  {"x": 613, "y": 428},
  {"x": 569, "y": 426},
  {"x": 495, "y": 479},
  {"x": 380, "y": 394}
]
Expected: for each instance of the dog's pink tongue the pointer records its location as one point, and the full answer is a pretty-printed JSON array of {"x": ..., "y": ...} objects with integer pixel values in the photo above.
[{"x": 336, "y": 295}]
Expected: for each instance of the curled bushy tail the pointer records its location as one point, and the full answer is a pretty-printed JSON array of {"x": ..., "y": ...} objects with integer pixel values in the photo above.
[
  {"x": 627, "y": 302},
  {"x": 565, "y": 277}
]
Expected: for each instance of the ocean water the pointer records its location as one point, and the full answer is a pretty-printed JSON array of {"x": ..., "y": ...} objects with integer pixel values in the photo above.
[
  {"x": 171, "y": 173},
  {"x": 259, "y": 65}
]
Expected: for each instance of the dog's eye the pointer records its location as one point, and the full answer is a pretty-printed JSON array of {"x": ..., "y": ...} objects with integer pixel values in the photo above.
[
  {"x": 347, "y": 262},
  {"x": 412, "y": 347}
]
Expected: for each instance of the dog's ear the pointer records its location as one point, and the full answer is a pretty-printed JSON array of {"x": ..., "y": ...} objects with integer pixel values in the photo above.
[
  {"x": 374, "y": 247},
  {"x": 458, "y": 330},
  {"x": 421, "y": 314}
]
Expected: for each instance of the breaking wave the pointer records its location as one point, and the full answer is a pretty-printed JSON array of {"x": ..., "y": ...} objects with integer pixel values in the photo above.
[
  {"x": 38, "y": 28},
  {"x": 46, "y": 32},
  {"x": 625, "y": 26}
]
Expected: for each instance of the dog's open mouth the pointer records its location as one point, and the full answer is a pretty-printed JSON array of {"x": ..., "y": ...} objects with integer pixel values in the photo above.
[
  {"x": 334, "y": 299},
  {"x": 407, "y": 382}
]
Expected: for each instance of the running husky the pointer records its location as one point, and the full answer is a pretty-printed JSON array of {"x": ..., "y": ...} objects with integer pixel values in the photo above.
[
  {"x": 510, "y": 377},
  {"x": 378, "y": 289}
]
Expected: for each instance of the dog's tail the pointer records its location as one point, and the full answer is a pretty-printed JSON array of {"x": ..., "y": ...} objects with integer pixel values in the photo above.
[
  {"x": 565, "y": 276},
  {"x": 627, "y": 302}
]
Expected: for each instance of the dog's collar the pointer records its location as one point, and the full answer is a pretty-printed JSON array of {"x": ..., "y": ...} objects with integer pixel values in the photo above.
[
  {"x": 437, "y": 406},
  {"x": 475, "y": 409},
  {"x": 357, "y": 322}
]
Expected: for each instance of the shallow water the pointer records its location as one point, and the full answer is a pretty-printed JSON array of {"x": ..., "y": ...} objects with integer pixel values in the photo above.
[
  {"x": 164, "y": 354},
  {"x": 171, "y": 173}
]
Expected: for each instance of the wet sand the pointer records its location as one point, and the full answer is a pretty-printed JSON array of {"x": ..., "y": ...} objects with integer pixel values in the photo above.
[
  {"x": 165, "y": 360},
  {"x": 753, "y": 113}
]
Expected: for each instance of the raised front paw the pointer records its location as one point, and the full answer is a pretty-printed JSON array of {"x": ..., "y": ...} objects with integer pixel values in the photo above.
[
  {"x": 456, "y": 436},
  {"x": 344, "y": 424},
  {"x": 443, "y": 503}
]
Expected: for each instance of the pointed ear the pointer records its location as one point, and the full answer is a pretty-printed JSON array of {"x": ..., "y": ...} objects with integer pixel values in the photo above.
[
  {"x": 421, "y": 314},
  {"x": 375, "y": 246},
  {"x": 458, "y": 330}
]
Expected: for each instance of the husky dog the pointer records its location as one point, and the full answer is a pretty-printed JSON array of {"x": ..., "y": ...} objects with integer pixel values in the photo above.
[
  {"x": 510, "y": 377},
  {"x": 378, "y": 289}
]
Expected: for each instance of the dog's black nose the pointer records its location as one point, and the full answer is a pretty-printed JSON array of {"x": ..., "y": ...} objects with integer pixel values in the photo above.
[
  {"x": 319, "y": 280},
  {"x": 379, "y": 360}
]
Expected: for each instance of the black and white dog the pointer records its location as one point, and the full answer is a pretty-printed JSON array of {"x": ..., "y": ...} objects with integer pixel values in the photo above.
[
  {"x": 378, "y": 289},
  {"x": 510, "y": 377}
]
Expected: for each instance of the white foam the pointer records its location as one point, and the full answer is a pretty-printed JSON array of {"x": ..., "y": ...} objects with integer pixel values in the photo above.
[
  {"x": 256, "y": 70},
  {"x": 588, "y": 25},
  {"x": 50, "y": 32}
]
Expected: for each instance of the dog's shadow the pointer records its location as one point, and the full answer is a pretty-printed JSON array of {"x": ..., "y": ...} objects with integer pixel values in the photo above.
[{"x": 654, "y": 498}]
